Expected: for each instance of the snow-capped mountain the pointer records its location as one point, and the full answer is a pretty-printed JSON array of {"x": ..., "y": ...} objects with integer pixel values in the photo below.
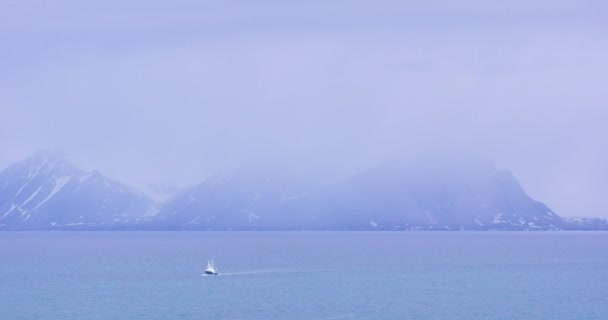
[
  {"x": 45, "y": 191},
  {"x": 233, "y": 201},
  {"x": 429, "y": 193}
]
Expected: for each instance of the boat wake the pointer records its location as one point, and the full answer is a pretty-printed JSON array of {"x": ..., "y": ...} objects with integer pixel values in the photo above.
[
  {"x": 343, "y": 316},
  {"x": 256, "y": 272}
]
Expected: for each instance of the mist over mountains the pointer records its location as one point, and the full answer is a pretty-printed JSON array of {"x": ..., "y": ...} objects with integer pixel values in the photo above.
[{"x": 46, "y": 192}]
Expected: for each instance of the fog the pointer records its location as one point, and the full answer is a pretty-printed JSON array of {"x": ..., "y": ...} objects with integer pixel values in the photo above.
[{"x": 173, "y": 92}]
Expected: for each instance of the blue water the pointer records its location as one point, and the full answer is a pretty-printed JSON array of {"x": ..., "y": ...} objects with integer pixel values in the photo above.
[{"x": 304, "y": 275}]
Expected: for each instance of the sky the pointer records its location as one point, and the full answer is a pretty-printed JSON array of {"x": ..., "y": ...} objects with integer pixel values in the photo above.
[{"x": 172, "y": 92}]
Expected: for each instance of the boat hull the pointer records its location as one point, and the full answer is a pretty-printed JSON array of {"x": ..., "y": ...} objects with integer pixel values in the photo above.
[{"x": 211, "y": 273}]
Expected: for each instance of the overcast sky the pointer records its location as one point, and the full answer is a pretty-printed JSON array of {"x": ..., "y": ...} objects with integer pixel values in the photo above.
[{"x": 173, "y": 91}]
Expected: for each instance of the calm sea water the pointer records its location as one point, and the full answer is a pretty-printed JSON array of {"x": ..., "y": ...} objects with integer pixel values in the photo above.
[{"x": 304, "y": 275}]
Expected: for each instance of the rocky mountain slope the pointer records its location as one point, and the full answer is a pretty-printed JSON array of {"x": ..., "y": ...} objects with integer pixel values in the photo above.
[
  {"x": 427, "y": 194},
  {"x": 233, "y": 201},
  {"x": 45, "y": 191}
]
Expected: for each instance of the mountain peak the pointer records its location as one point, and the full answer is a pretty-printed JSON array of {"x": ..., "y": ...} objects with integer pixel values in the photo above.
[
  {"x": 45, "y": 162},
  {"x": 47, "y": 156},
  {"x": 45, "y": 191}
]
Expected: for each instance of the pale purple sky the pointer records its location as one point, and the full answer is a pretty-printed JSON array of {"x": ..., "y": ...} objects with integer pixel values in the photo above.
[{"x": 173, "y": 91}]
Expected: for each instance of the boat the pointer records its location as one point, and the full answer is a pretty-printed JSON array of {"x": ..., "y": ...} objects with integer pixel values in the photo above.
[{"x": 211, "y": 269}]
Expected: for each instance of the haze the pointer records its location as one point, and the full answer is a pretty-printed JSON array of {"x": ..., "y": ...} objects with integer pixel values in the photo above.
[{"x": 172, "y": 92}]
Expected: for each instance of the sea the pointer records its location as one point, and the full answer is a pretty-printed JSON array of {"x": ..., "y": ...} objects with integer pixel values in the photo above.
[{"x": 304, "y": 275}]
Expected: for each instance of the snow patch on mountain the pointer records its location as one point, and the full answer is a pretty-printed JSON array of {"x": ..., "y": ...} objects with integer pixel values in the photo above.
[
  {"x": 58, "y": 184},
  {"x": 158, "y": 192},
  {"x": 498, "y": 218}
]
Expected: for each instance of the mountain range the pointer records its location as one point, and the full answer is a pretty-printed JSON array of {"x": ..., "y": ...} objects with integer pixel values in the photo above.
[{"x": 47, "y": 192}]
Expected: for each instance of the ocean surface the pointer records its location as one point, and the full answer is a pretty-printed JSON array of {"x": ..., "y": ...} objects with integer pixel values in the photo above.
[{"x": 304, "y": 275}]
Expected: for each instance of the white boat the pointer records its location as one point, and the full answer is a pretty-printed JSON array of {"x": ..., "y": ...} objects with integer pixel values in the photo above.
[{"x": 211, "y": 269}]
